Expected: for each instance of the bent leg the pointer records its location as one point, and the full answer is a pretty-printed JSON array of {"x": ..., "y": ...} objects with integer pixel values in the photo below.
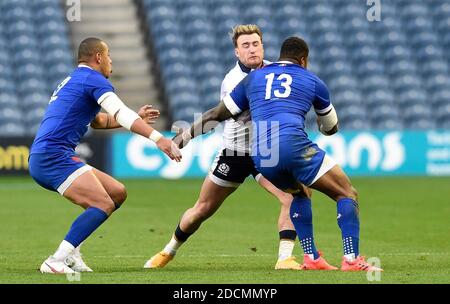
[
  {"x": 337, "y": 186},
  {"x": 87, "y": 192},
  {"x": 115, "y": 189},
  {"x": 285, "y": 199},
  {"x": 210, "y": 199}
]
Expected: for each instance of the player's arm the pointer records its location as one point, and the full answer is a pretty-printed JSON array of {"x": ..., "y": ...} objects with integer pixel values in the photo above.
[
  {"x": 130, "y": 120},
  {"x": 207, "y": 122},
  {"x": 232, "y": 104},
  {"x": 107, "y": 121},
  {"x": 327, "y": 119}
]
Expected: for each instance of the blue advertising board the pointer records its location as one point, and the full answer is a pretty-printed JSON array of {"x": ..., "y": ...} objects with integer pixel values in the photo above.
[{"x": 359, "y": 153}]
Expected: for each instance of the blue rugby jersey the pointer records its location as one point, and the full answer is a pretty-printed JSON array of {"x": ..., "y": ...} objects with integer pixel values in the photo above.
[
  {"x": 72, "y": 107},
  {"x": 280, "y": 93}
]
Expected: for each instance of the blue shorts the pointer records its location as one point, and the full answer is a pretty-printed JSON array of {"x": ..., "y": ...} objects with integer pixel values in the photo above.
[
  {"x": 295, "y": 163},
  {"x": 56, "y": 171}
]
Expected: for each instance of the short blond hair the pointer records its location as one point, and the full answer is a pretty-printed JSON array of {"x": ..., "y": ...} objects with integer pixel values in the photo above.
[{"x": 244, "y": 29}]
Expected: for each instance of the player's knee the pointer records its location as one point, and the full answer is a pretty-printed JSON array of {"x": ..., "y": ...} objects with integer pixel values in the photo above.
[
  {"x": 349, "y": 192},
  {"x": 119, "y": 194},
  {"x": 286, "y": 199},
  {"x": 103, "y": 202},
  {"x": 353, "y": 193},
  {"x": 203, "y": 210}
]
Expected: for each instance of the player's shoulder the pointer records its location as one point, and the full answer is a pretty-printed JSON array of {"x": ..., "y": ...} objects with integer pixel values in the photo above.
[
  {"x": 95, "y": 78},
  {"x": 233, "y": 74}
]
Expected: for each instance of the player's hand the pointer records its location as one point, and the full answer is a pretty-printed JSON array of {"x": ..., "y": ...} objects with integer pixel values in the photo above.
[
  {"x": 179, "y": 140},
  {"x": 148, "y": 114},
  {"x": 169, "y": 148}
]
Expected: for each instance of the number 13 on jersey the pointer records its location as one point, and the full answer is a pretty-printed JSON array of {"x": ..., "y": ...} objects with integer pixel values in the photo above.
[{"x": 286, "y": 81}]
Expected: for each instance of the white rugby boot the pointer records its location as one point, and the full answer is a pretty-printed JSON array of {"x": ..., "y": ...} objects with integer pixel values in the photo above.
[{"x": 54, "y": 266}]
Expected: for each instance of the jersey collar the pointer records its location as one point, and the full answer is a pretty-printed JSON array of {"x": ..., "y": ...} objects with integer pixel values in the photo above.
[
  {"x": 244, "y": 68},
  {"x": 247, "y": 70},
  {"x": 285, "y": 61},
  {"x": 84, "y": 66}
]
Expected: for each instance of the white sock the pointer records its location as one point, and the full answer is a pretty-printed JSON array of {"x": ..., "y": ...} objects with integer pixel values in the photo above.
[
  {"x": 285, "y": 249},
  {"x": 77, "y": 249},
  {"x": 350, "y": 257},
  {"x": 172, "y": 247},
  {"x": 64, "y": 250}
]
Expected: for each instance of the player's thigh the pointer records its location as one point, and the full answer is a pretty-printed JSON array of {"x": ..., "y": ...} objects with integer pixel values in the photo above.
[
  {"x": 212, "y": 196},
  {"x": 87, "y": 191},
  {"x": 336, "y": 184},
  {"x": 115, "y": 189}
]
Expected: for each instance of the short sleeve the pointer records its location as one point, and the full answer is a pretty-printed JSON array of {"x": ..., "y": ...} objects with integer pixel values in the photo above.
[
  {"x": 97, "y": 85},
  {"x": 237, "y": 102},
  {"x": 321, "y": 103},
  {"x": 225, "y": 89}
]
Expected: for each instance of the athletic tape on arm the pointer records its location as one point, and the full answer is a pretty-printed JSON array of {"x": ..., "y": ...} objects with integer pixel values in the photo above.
[
  {"x": 112, "y": 104},
  {"x": 327, "y": 120}
]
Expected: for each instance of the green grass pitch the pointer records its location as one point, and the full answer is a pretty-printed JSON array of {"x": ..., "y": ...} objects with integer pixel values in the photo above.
[{"x": 405, "y": 222}]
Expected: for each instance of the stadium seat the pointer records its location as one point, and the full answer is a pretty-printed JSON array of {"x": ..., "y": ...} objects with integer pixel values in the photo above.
[
  {"x": 10, "y": 114},
  {"x": 9, "y": 129}
]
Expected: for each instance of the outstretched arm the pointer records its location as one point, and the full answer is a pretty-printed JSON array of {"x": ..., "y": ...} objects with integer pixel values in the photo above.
[
  {"x": 208, "y": 121},
  {"x": 107, "y": 121},
  {"x": 130, "y": 120}
]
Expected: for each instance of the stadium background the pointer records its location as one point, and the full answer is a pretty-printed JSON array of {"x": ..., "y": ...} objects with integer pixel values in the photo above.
[{"x": 390, "y": 83}]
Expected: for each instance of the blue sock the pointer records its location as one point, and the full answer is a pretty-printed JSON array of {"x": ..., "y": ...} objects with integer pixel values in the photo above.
[
  {"x": 348, "y": 221},
  {"x": 84, "y": 225},
  {"x": 301, "y": 217}
]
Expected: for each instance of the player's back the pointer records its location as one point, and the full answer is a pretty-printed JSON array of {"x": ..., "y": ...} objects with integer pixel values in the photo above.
[
  {"x": 71, "y": 109},
  {"x": 282, "y": 93}
]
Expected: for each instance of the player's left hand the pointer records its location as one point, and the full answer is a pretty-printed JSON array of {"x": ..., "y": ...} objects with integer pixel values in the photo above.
[{"x": 148, "y": 114}]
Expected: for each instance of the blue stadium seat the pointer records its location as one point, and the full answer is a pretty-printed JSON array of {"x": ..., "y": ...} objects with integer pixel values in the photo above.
[
  {"x": 7, "y": 85},
  {"x": 379, "y": 96},
  {"x": 26, "y": 55},
  {"x": 10, "y": 115},
  {"x": 8, "y": 100},
  {"x": 420, "y": 124},
  {"x": 29, "y": 70},
  {"x": 437, "y": 82},
  {"x": 22, "y": 13},
  {"x": 179, "y": 84},
  {"x": 49, "y": 13},
  {"x": 440, "y": 97},
  {"x": 411, "y": 96},
  {"x": 34, "y": 100},
  {"x": 12, "y": 129},
  {"x": 32, "y": 85},
  {"x": 186, "y": 113},
  {"x": 401, "y": 67},
  {"x": 342, "y": 82},
  {"x": 19, "y": 27},
  {"x": 355, "y": 123},
  {"x": 387, "y": 124},
  {"x": 374, "y": 82},
  {"x": 5, "y": 69}
]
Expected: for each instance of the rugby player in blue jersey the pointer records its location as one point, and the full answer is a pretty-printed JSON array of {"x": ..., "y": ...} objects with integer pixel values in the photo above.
[
  {"x": 73, "y": 107},
  {"x": 279, "y": 96}
]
